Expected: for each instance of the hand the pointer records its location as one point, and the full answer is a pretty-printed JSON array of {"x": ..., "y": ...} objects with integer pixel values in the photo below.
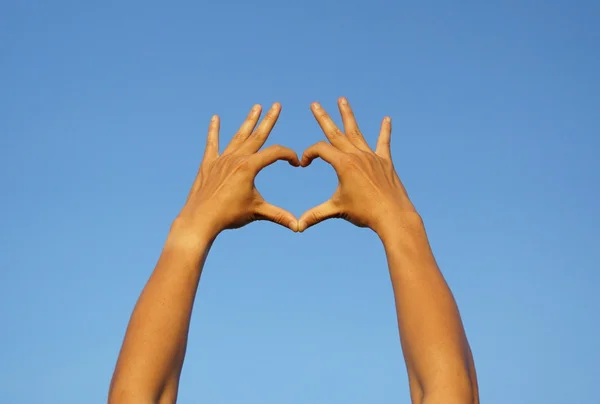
[
  {"x": 369, "y": 190},
  {"x": 223, "y": 195}
]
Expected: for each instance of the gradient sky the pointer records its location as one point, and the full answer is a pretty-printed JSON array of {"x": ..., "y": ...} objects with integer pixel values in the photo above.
[{"x": 103, "y": 114}]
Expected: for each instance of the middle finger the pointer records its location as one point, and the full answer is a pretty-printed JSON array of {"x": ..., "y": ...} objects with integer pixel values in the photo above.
[
  {"x": 332, "y": 132},
  {"x": 258, "y": 138},
  {"x": 245, "y": 130}
]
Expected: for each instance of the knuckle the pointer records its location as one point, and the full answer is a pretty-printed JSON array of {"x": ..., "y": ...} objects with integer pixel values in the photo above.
[
  {"x": 353, "y": 159},
  {"x": 274, "y": 150},
  {"x": 315, "y": 216},
  {"x": 271, "y": 116},
  {"x": 346, "y": 162},
  {"x": 279, "y": 218},
  {"x": 277, "y": 148},
  {"x": 241, "y": 164},
  {"x": 354, "y": 133},
  {"x": 350, "y": 161}
]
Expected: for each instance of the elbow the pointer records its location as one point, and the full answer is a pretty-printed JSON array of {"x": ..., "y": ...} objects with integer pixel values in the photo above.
[
  {"x": 463, "y": 391},
  {"x": 125, "y": 398},
  {"x": 127, "y": 394},
  {"x": 120, "y": 395},
  {"x": 454, "y": 397},
  {"x": 129, "y": 399}
]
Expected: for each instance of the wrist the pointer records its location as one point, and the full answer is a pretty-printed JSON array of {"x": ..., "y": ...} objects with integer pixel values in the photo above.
[
  {"x": 186, "y": 235},
  {"x": 405, "y": 240},
  {"x": 400, "y": 225}
]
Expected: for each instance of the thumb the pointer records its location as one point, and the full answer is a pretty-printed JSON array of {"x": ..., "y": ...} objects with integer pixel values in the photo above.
[
  {"x": 324, "y": 211},
  {"x": 267, "y": 211}
]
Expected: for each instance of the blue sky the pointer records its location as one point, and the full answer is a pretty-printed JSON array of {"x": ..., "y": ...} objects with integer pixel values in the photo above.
[{"x": 103, "y": 116}]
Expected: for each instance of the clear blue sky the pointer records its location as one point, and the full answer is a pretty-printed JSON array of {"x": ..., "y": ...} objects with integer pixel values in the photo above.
[{"x": 103, "y": 115}]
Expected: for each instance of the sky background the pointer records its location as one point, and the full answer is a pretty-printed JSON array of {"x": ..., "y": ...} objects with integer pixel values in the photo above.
[{"x": 103, "y": 114}]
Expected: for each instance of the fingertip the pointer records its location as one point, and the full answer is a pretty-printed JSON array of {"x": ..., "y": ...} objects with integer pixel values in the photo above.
[
  {"x": 342, "y": 101},
  {"x": 294, "y": 162},
  {"x": 276, "y": 105},
  {"x": 213, "y": 126},
  {"x": 305, "y": 161},
  {"x": 315, "y": 106},
  {"x": 302, "y": 226},
  {"x": 214, "y": 122},
  {"x": 256, "y": 108},
  {"x": 294, "y": 226},
  {"x": 291, "y": 155}
]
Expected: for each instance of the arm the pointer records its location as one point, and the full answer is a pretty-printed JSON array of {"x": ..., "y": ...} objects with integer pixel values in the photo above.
[
  {"x": 370, "y": 194},
  {"x": 152, "y": 354},
  {"x": 436, "y": 350},
  {"x": 222, "y": 197}
]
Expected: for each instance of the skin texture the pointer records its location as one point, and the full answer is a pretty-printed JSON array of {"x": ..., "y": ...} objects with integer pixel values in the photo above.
[{"x": 369, "y": 194}]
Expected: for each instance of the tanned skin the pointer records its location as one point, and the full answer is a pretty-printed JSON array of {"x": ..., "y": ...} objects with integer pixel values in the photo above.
[{"x": 369, "y": 194}]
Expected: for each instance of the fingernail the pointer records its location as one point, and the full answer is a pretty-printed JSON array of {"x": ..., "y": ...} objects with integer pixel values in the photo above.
[
  {"x": 294, "y": 226},
  {"x": 343, "y": 101},
  {"x": 387, "y": 119},
  {"x": 214, "y": 118},
  {"x": 256, "y": 108},
  {"x": 316, "y": 105}
]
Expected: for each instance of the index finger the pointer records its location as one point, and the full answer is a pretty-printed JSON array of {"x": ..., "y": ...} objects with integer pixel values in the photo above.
[
  {"x": 245, "y": 130},
  {"x": 323, "y": 150},
  {"x": 272, "y": 154}
]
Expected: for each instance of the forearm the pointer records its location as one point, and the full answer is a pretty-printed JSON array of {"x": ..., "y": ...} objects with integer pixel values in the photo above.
[
  {"x": 435, "y": 346},
  {"x": 153, "y": 350}
]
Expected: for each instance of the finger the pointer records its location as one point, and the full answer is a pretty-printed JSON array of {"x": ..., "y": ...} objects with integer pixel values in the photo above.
[
  {"x": 211, "y": 151},
  {"x": 383, "y": 148},
  {"x": 332, "y": 132},
  {"x": 267, "y": 211},
  {"x": 272, "y": 154},
  {"x": 245, "y": 130},
  {"x": 323, "y": 150},
  {"x": 350, "y": 126},
  {"x": 258, "y": 138},
  {"x": 324, "y": 211}
]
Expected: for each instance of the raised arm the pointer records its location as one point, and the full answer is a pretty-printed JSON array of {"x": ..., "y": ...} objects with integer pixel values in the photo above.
[
  {"x": 370, "y": 194},
  {"x": 223, "y": 196}
]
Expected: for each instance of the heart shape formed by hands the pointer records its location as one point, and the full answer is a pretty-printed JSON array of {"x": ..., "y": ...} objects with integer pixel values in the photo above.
[
  {"x": 224, "y": 196},
  {"x": 369, "y": 194}
]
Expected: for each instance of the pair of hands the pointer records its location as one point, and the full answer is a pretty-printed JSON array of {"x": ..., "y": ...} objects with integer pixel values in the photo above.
[{"x": 224, "y": 196}]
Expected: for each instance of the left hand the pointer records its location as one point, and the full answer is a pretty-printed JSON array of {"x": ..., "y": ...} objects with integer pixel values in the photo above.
[
  {"x": 369, "y": 192},
  {"x": 223, "y": 195}
]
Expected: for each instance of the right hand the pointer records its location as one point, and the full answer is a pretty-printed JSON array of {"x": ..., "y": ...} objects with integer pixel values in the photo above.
[
  {"x": 223, "y": 195},
  {"x": 369, "y": 192}
]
